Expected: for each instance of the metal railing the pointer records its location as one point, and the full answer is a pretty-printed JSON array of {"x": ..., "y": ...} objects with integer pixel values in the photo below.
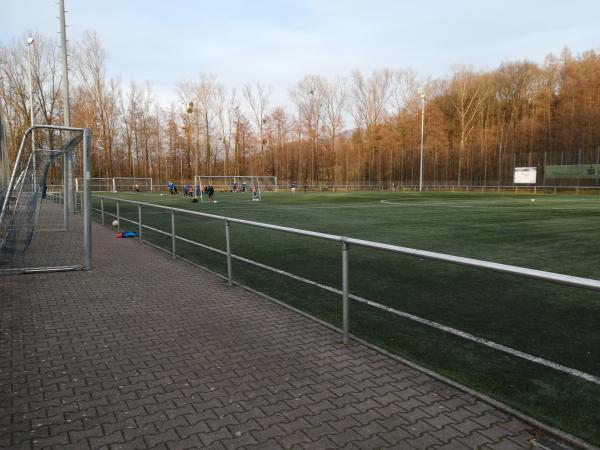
[{"x": 345, "y": 244}]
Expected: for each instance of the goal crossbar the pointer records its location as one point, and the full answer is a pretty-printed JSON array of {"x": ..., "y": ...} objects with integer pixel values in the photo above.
[{"x": 117, "y": 184}]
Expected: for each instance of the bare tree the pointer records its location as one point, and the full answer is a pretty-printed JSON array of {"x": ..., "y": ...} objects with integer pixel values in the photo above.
[
  {"x": 90, "y": 72},
  {"x": 279, "y": 122},
  {"x": 14, "y": 85},
  {"x": 190, "y": 118},
  {"x": 308, "y": 96},
  {"x": 227, "y": 104},
  {"x": 468, "y": 95},
  {"x": 370, "y": 97},
  {"x": 205, "y": 108},
  {"x": 258, "y": 102},
  {"x": 334, "y": 103}
]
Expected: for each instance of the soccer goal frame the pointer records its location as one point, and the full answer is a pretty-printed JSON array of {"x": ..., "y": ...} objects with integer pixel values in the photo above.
[
  {"x": 35, "y": 235},
  {"x": 255, "y": 185},
  {"x": 118, "y": 184}
]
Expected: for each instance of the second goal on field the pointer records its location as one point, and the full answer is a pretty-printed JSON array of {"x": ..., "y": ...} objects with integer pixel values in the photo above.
[{"x": 252, "y": 185}]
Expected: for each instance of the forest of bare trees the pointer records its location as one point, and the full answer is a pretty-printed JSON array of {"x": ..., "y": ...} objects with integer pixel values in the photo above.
[{"x": 361, "y": 129}]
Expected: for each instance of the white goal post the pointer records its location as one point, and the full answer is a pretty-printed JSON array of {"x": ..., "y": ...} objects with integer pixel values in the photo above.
[
  {"x": 254, "y": 185},
  {"x": 117, "y": 184}
]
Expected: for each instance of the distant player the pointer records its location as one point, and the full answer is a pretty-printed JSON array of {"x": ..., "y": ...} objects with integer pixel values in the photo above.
[
  {"x": 305, "y": 187},
  {"x": 137, "y": 188},
  {"x": 293, "y": 187},
  {"x": 254, "y": 194}
]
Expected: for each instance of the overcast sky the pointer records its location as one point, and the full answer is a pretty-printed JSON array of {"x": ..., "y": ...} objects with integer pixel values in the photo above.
[{"x": 278, "y": 42}]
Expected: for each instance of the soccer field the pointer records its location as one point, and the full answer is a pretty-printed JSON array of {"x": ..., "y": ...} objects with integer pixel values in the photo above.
[{"x": 553, "y": 233}]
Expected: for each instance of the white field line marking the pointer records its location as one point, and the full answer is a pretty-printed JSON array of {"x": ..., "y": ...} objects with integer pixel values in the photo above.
[
  {"x": 232, "y": 207},
  {"x": 469, "y": 204}
]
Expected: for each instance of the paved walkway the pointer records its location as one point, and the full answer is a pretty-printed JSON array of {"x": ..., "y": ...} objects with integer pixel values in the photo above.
[{"x": 147, "y": 352}]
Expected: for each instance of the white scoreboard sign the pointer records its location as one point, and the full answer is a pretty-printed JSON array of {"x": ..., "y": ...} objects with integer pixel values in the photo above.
[{"x": 525, "y": 175}]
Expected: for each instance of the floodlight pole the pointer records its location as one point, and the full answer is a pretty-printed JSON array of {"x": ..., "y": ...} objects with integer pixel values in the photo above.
[
  {"x": 68, "y": 158},
  {"x": 30, "y": 41},
  {"x": 422, "y": 138}
]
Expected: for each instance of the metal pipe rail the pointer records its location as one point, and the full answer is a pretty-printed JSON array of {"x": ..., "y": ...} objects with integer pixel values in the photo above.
[
  {"x": 345, "y": 243},
  {"x": 553, "y": 277}
]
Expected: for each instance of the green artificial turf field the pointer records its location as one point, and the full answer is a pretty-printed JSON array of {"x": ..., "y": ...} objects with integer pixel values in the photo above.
[{"x": 553, "y": 233}]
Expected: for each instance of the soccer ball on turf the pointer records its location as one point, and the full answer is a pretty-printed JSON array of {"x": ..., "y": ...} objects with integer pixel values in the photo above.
[
  {"x": 214, "y": 201},
  {"x": 162, "y": 195},
  {"x": 115, "y": 223}
]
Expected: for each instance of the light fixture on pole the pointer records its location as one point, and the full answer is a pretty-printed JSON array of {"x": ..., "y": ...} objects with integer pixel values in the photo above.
[{"x": 422, "y": 137}]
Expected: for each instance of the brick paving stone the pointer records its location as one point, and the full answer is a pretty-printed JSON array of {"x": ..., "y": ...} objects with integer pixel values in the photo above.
[
  {"x": 293, "y": 440},
  {"x": 397, "y": 436},
  {"x": 271, "y": 444},
  {"x": 424, "y": 441},
  {"x": 113, "y": 438},
  {"x": 467, "y": 426},
  {"x": 346, "y": 437},
  {"x": 455, "y": 444},
  {"x": 267, "y": 434},
  {"x": 375, "y": 441},
  {"x": 440, "y": 421},
  {"x": 240, "y": 440},
  {"x": 446, "y": 434},
  {"x": 163, "y": 355},
  {"x": 475, "y": 440},
  {"x": 190, "y": 430},
  {"x": 192, "y": 442},
  {"x": 321, "y": 444},
  {"x": 494, "y": 433},
  {"x": 505, "y": 444}
]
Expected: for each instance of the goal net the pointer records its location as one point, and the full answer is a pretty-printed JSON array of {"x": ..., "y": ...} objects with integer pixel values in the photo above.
[
  {"x": 117, "y": 184},
  {"x": 254, "y": 186}
]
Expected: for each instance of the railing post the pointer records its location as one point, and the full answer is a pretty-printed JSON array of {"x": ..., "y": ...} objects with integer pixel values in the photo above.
[
  {"x": 140, "y": 222},
  {"x": 345, "y": 306},
  {"x": 102, "y": 210},
  {"x": 173, "y": 233},
  {"x": 118, "y": 217},
  {"x": 228, "y": 246}
]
